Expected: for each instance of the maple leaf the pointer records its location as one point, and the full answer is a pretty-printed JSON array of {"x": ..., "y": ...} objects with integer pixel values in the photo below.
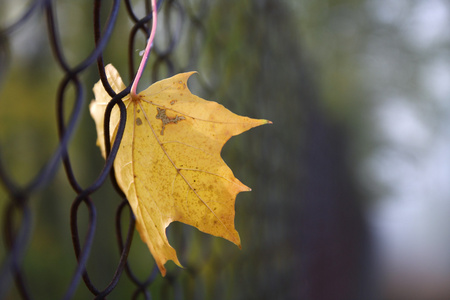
[{"x": 169, "y": 164}]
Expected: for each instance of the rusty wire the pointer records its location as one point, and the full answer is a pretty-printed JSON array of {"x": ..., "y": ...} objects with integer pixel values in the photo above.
[
  {"x": 16, "y": 223},
  {"x": 278, "y": 85}
]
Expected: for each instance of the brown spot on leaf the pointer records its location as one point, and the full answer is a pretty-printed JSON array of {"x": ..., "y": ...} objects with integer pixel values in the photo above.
[{"x": 167, "y": 120}]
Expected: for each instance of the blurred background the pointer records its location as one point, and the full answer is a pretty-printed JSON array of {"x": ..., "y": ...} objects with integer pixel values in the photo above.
[{"x": 350, "y": 185}]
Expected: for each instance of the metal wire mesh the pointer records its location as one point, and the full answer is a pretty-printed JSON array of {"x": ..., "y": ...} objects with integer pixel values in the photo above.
[
  {"x": 17, "y": 215},
  {"x": 263, "y": 272}
]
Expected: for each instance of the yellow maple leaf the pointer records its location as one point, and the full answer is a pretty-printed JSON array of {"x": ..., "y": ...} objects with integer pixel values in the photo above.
[{"x": 169, "y": 164}]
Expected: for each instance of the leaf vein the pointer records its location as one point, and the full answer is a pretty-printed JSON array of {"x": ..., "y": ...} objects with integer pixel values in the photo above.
[{"x": 178, "y": 169}]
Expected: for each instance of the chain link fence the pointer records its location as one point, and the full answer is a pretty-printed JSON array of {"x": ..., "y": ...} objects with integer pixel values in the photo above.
[{"x": 248, "y": 58}]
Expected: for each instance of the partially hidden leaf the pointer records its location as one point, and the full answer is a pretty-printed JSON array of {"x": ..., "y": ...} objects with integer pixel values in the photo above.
[{"x": 169, "y": 164}]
